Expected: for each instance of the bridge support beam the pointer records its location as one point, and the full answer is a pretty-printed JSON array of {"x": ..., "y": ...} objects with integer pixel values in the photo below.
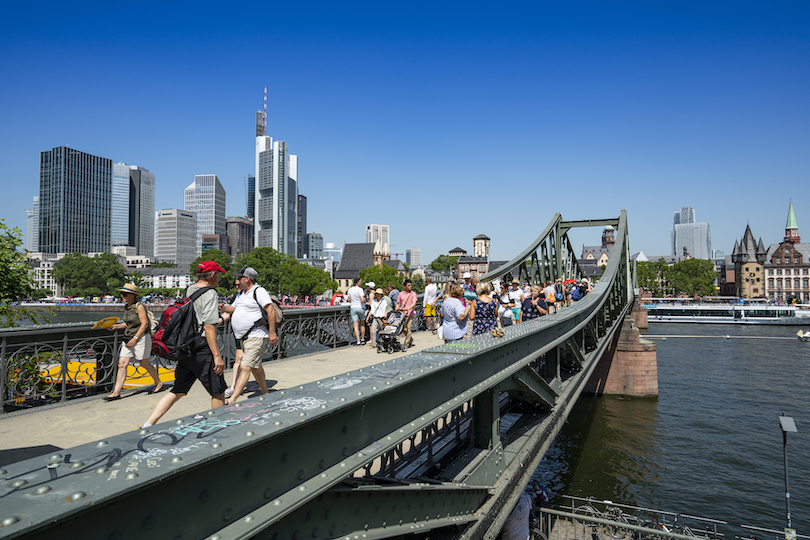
[{"x": 628, "y": 368}]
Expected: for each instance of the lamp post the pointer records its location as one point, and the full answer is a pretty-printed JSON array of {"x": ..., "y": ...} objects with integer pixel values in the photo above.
[{"x": 788, "y": 425}]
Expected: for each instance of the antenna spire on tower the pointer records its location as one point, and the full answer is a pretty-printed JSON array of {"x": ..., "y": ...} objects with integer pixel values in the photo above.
[{"x": 264, "y": 115}]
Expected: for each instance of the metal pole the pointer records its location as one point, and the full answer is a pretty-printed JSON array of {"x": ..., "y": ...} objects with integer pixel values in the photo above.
[{"x": 787, "y": 487}]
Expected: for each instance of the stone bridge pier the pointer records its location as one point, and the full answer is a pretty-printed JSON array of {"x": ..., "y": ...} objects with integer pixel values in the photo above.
[{"x": 630, "y": 366}]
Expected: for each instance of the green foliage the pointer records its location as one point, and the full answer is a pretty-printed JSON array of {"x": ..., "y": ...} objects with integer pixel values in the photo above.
[
  {"x": 39, "y": 294},
  {"x": 138, "y": 279},
  {"x": 418, "y": 284},
  {"x": 89, "y": 276},
  {"x": 689, "y": 277},
  {"x": 280, "y": 274},
  {"x": 164, "y": 264},
  {"x": 444, "y": 262},
  {"x": 220, "y": 257},
  {"x": 694, "y": 276},
  {"x": 382, "y": 276},
  {"x": 15, "y": 281}
]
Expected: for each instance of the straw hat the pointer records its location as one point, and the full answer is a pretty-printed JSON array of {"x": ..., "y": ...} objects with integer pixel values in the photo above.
[{"x": 130, "y": 288}]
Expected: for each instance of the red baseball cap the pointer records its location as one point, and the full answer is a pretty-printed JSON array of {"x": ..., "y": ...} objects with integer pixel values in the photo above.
[{"x": 209, "y": 266}]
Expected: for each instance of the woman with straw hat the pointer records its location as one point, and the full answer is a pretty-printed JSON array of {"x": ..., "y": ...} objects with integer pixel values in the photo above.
[{"x": 138, "y": 338}]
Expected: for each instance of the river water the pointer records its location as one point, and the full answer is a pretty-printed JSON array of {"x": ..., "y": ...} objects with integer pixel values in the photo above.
[{"x": 711, "y": 444}]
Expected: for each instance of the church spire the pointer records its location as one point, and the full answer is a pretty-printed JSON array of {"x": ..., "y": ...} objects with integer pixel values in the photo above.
[{"x": 791, "y": 227}]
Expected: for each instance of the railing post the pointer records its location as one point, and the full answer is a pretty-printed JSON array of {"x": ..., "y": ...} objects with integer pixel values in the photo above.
[
  {"x": 3, "y": 376},
  {"x": 64, "y": 366}
]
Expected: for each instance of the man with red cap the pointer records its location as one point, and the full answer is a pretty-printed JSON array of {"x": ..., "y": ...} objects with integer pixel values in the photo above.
[{"x": 205, "y": 364}]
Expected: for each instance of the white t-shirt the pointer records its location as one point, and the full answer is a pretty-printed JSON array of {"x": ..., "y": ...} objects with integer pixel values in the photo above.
[
  {"x": 247, "y": 311},
  {"x": 516, "y": 296},
  {"x": 431, "y": 293},
  {"x": 356, "y": 296}
]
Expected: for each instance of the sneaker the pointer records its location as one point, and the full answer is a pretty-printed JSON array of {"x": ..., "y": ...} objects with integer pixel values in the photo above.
[
  {"x": 229, "y": 391},
  {"x": 363, "y": 342}
]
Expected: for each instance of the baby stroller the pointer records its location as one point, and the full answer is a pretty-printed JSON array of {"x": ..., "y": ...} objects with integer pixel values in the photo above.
[{"x": 388, "y": 337}]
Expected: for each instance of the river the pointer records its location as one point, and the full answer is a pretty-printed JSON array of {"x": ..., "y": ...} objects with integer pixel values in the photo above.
[{"x": 711, "y": 444}]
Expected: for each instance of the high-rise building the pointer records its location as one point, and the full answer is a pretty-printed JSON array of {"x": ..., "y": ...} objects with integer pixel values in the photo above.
[
  {"x": 302, "y": 224},
  {"x": 377, "y": 232},
  {"x": 75, "y": 189},
  {"x": 240, "y": 234},
  {"x": 313, "y": 246},
  {"x": 413, "y": 257},
  {"x": 251, "y": 196},
  {"x": 176, "y": 236},
  {"x": 690, "y": 237},
  {"x": 276, "y": 222},
  {"x": 206, "y": 197},
  {"x": 133, "y": 208},
  {"x": 32, "y": 232}
]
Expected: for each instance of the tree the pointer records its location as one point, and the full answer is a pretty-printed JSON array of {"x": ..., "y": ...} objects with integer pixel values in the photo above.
[
  {"x": 694, "y": 276},
  {"x": 164, "y": 264},
  {"x": 652, "y": 276},
  {"x": 282, "y": 274},
  {"x": 418, "y": 284},
  {"x": 381, "y": 276},
  {"x": 137, "y": 279},
  {"x": 444, "y": 263},
  {"x": 15, "y": 281},
  {"x": 85, "y": 276}
]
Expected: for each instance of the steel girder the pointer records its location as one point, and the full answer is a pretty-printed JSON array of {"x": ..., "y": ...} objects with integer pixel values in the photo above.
[{"x": 269, "y": 467}]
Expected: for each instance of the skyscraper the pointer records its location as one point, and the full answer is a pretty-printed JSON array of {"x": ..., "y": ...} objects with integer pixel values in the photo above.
[
  {"x": 206, "y": 197},
  {"x": 690, "y": 237},
  {"x": 313, "y": 246},
  {"x": 251, "y": 196},
  {"x": 240, "y": 235},
  {"x": 75, "y": 191},
  {"x": 377, "y": 232},
  {"x": 176, "y": 236},
  {"x": 302, "y": 224},
  {"x": 276, "y": 222},
  {"x": 133, "y": 208},
  {"x": 413, "y": 257},
  {"x": 33, "y": 227}
]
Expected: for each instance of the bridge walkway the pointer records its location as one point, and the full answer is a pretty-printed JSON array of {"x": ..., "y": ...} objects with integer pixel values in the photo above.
[{"x": 41, "y": 430}]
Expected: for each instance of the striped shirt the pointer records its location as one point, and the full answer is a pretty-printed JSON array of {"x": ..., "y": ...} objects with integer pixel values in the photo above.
[{"x": 452, "y": 328}]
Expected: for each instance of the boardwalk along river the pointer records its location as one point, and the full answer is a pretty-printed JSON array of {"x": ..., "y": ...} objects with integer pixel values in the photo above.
[{"x": 711, "y": 444}]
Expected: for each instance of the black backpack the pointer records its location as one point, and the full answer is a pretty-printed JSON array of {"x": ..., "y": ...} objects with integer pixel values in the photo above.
[{"x": 178, "y": 332}]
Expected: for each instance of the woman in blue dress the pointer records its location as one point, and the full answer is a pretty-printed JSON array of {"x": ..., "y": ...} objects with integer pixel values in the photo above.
[{"x": 486, "y": 310}]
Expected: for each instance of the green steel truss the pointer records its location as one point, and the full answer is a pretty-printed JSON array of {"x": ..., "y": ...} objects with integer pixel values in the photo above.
[{"x": 442, "y": 439}]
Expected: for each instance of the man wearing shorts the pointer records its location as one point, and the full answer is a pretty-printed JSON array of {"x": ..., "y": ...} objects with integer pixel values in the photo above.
[
  {"x": 205, "y": 364},
  {"x": 431, "y": 295},
  {"x": 252, "y": 335},
  {"x": 357, "y": 303}
]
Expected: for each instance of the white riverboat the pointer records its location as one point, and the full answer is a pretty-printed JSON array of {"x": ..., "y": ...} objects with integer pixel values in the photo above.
[{"x": 660, "y": 310}]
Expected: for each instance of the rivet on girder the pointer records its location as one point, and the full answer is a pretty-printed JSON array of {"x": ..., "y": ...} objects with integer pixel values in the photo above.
[
  {"x": 247, "y": 519},
  {"x": 11, "y": 520},
  {"x": 277, "y": 502},
  {"x": 101, "y": 444},
  {"x": 374, "y": 388},
  {"x": 216, "y": 446},
  {"x": 148, "y": 523},
  {"x": 359, "y": 393},
  {"x": 300, "y": 477},
  {"x": 179, "y": 422},
  {"x": 101, "y": 470},
  {"x": 284, "y": 458},
  {"x": 261, "y": 398},
  {"x": 77, "y": 496},
  {"x": 302, "y": 414},
  {"x": 210, "y": 413},
  {"x": 42, "y": 489},
  {"x": 315, "y": 532},
  {"x": 55, "y": 457},
  {"x": 324, "y": 407},
  {"x": 268, "y": 493},
  {"x": 342, "y": 399},
  {"x": 176, "y": 459},
  {"x": 19, "y": 483},
  {"x": 249, "y": 434},
  {"x": 131, "y": 476},
  {"x": 227, "y": 514},
  {"x": 77, "y": 465},
  {"x": 204, "y": 496},
  {"x": 301, "y": 387},
  {"x": 215, "y": 537},
  {"x": 282, "y": 392},
  {"x": 276, "y": 423}
]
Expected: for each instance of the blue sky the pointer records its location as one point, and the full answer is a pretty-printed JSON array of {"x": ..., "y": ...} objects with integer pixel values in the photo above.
[{"x": 443, "y": 120}]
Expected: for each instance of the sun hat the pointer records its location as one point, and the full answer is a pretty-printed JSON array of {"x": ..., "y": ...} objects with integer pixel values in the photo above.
[
  {"x": 379, "y": 291},
  {"x": 130, "y": 288},
  {"x": 466, "y": 275},
  {"x": 209, "y": 266}
]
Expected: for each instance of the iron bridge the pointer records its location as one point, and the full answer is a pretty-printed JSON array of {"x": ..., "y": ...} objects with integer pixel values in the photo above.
[{"x": 440, "y": 442}]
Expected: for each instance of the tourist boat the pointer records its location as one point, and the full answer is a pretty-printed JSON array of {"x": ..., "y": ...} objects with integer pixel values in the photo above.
[
  {"x": 803, "y": 336},
  {"x": 666, "y": 310}
]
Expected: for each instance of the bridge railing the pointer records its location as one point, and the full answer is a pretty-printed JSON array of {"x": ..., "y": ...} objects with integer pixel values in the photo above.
[{"x": 54, "y": 363}]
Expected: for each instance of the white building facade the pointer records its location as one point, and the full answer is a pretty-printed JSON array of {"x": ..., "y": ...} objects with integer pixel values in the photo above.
[
  {"x": 276, "y": 196},
  {"x": 176, "y": 236},
  {"x": 376, "y": 232}
]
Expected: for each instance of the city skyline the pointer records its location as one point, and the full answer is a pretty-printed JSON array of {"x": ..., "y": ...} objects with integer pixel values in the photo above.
[{"x": 596, "y": 107}]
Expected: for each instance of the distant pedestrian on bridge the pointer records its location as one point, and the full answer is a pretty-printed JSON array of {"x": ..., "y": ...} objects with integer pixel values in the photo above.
[
  {"x": 357, "y": 308},
  {"x": 430, "y": 298},
  {"x": 205, "y": 364},
  {"x": 485, "y": 310},
  {"x": 534, "y": 306},
  {"x": 456, "y": 315},
  {"x": 137, "y": 340},
  {"x": 406, "y": 303}
]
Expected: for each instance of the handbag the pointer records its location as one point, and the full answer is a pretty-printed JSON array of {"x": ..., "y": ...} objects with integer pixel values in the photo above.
[{"x": 440, "y": 332}]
